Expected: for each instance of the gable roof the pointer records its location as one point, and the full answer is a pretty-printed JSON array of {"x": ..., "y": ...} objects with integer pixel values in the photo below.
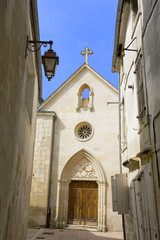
[{"x": 83, "y": 67}]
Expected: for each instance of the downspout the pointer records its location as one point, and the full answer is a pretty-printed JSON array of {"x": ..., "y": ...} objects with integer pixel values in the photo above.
[
  {"x": 155, "y": 147},
  {"x": 48, "y": 217},
  {"x": 120, "y": 156}
]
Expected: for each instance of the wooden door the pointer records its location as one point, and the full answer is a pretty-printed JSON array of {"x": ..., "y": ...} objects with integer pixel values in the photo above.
[{"x": 83, "y": 203}]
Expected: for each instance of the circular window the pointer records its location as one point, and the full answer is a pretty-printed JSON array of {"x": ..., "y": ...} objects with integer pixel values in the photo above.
[{"x": 83, "y": 131}]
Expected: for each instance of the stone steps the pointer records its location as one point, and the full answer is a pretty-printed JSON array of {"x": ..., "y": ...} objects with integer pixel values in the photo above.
[{"x": 82, "y": 227}]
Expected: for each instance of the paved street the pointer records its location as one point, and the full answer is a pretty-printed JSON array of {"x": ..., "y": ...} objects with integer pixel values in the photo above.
[{"x": 58, "y": 234}]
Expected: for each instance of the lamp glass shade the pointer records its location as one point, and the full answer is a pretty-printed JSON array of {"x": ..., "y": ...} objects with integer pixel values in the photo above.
[
  {"x": 50, "y": 62},
  {"x": 50, "y": 66}
]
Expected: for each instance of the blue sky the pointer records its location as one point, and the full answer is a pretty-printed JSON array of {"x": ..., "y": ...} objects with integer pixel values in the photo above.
[{"x": 74, "y": 25}]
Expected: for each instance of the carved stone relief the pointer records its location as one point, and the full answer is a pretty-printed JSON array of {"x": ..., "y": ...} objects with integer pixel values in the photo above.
[{"x": 83, "y": 171}]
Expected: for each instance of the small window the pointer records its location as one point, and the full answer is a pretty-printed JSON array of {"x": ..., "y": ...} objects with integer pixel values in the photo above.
[
  {"x": 123, "y": 125},
  {"x": 134, "y": 6},
  {"x": 85, "y": 98},
  {"x": 140, "y": 88},
  {"x": 85, "y": 93},
  {"x": 83, "y": 131}
]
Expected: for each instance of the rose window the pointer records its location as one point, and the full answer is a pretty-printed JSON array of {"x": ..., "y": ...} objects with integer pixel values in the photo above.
[{"x": 83, "y": 131}]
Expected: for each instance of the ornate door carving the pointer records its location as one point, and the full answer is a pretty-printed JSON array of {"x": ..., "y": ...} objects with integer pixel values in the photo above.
[{"x": 83, "y": 203}]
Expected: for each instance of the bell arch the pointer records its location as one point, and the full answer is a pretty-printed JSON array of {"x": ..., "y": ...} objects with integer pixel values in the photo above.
[
  {"x": 81, "y": 103},
  {"x": 82, "y": 166}
]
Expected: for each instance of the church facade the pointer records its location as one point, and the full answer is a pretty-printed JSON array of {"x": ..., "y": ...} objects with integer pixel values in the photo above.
[{"x": 76, "y": 153}]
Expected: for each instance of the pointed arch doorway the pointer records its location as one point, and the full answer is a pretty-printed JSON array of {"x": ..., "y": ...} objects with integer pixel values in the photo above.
[
  {"x": 82, "y": 186},
  {"x": 83, "y": 203}
]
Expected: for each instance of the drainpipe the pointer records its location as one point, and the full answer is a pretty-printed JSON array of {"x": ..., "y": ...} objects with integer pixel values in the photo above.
[
  {"x": 155, "y": 147},
  {"x": 120, "y": 156},
  {"x": 48, "y": 217}
]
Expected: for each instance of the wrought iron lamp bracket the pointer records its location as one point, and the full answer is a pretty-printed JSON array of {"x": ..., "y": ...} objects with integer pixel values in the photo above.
[{"x": 31, "y": 45}]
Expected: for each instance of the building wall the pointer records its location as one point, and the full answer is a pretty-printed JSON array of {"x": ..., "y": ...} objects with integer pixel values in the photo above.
[
  {"x": 151, "y": 40},
  {"x": 41, "y": 170},
  {"x": 103, "y": 146},
  {"x": 18, "y": 106},
  {"x": 140, "y": 115}
]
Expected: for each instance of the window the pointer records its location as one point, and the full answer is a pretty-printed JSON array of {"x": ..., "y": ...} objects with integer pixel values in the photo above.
[
  {"x": 85, "y": 93},
  {"x": 85, "y": 98},
  {"x": 134, "y": 9},
  {"x": 123, "y": 126},
  {"x": 134, "y": 5},
  {"x": 83, "y": 131},
  {"x": 140, "y": 89}
]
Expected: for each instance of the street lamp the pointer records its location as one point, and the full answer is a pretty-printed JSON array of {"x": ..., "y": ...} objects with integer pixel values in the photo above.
[{"x": 49, "y": 60}]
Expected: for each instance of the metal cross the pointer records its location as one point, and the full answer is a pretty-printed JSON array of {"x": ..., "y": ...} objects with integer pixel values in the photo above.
[{"x": 86, "y": 52}]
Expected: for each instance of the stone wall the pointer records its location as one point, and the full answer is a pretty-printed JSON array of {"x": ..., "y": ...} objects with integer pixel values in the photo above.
[
  {"x": 17, "y": 118},
  {"x": 41, "y": 170},
  {"x": 151, "y": 40}
]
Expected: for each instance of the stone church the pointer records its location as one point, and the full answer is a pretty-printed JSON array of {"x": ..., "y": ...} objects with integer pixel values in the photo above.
[{"x": 76, "y": 153}]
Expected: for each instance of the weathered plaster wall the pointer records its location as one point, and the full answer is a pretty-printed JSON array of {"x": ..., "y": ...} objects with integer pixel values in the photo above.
[
  {"x": 103, "y": 145},
  {"x": 130, "y": 144},
  {"x": 151, "y": 40},
  {"x": 142, "y": 142},
  {"x": 128, "y": 88},
  {"x": 17, "y": 125}
]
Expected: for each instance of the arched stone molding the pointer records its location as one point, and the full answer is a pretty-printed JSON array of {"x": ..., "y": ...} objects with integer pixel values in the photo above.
[
  {"x": 79, "y": 94},
  {"x": 81, "y": 166}
]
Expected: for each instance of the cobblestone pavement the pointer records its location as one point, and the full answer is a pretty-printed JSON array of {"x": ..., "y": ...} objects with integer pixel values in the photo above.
[{"x": 59, "y": 234}]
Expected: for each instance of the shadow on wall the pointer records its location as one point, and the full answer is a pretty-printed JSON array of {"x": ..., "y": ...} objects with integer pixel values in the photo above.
[{"x": 59, "y": 126}]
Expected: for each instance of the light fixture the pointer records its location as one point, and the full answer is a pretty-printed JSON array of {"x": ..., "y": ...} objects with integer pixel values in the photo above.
[{"x": 49, "y": 60}]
